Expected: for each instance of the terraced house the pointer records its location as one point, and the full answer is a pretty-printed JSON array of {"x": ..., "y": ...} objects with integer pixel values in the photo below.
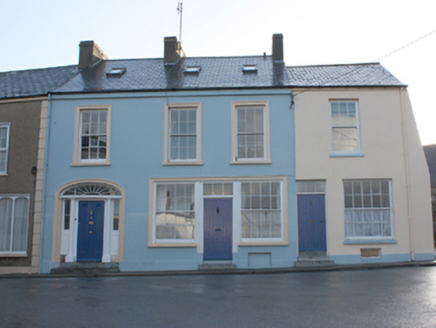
[
  {"x": 186, "y": 163},
  {"x": 23, "y": 121}
]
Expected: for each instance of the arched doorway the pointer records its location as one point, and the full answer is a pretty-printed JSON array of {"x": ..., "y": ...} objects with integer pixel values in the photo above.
[{"x": 90, "y": 225}]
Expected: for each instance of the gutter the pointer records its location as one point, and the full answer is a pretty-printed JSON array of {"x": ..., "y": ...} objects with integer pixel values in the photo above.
[{"x": 407, "y": 178}]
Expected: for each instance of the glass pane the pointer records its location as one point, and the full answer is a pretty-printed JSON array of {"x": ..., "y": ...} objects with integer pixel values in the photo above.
[
  {"x": 67, "y": 204},
  {"x": 3, "y": 161},
  {"x": 116, "y": 219},
  {"x": 3, "y": 137},
  {"x": 207, "y": 189},
  {"x": 218, "y": 189},
  {"x": 228, "y": 189},
  {"x": 21, "y": 218},
  {"x": 5, "y": 224}
]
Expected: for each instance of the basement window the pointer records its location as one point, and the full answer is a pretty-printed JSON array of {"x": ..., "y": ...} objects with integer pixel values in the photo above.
[
  {"x": 249, "y": 69},
  {"x": 192, "y": 70},
  {"x": 116, "y": 72}
]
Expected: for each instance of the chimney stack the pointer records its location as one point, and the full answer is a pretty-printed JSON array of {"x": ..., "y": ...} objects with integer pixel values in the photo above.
[
  {"x": 172, "y": 50},
  {"x": 89, "y": 54},
  {"x": 277, "y": 47}
]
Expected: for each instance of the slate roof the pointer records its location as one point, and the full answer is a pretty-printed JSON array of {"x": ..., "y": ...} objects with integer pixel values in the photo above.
[
  {"x": 430, "y": 154},
  {"x": 153, "y": 75},
  {"x": 358, "y": 75},
  {"x": 34, "y": 82},
  {"x": 215, "y": 73}
]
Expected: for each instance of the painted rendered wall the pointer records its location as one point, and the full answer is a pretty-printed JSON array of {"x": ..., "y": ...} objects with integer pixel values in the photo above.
[
  {"x": 24, "y": 118},
  {"x": 381, "y": 137},
  {"x": 137, "y": 155}
]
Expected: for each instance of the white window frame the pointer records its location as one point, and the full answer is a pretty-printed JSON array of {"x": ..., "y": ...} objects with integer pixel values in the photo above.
[
  {"x": 77, "y": 161},
  {"x": 266, "y": 159},
  {"x": 5, "y": 149},
  {"x": 269, "y": 239},
  {"x": 356, "y": 126},
  {"x": 166, "y": 150},
  {"x": 362, "y": 208},
  {"x": 199, "y": 197},
  {"x": 14, "y": 198}
]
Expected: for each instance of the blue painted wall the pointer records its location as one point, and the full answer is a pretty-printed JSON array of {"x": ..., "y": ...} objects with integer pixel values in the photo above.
[{"x": 137, "y": 154}]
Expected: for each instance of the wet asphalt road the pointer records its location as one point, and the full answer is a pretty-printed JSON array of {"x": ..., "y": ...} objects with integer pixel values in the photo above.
[{"x": 396, "y": 297}]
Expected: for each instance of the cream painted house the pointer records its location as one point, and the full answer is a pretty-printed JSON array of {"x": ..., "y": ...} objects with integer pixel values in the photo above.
[{"x": 362, "y": 182}]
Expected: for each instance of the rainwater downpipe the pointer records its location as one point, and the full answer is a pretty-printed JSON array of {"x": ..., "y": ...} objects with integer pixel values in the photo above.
[
  {"x": 407, "y": 177},
  {"x": 44, "y": 188}
]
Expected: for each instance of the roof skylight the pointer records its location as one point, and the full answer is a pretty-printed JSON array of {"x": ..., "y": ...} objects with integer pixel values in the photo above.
[
  {"x": 116, "y": 72},
  {"x": 192, "y": 69},
  {"x": 249, "y": 68}
]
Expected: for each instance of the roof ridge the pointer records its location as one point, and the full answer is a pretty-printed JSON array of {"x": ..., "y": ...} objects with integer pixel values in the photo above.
[
  {"x": 37, "y": 69},
  {"x": 335, "y": 65}
]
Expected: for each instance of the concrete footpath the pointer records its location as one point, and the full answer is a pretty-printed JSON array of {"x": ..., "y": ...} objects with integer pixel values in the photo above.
[{"x": 97, "y": 273}]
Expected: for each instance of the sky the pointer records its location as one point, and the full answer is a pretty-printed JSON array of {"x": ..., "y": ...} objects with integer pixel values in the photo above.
[{"x": 46, "y": 33}]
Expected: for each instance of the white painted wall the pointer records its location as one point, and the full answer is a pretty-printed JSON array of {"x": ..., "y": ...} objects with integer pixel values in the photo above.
[{"x": 388, "y": 154}]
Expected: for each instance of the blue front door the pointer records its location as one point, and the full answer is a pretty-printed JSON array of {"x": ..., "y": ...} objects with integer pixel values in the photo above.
[
  {"x": 90, "y": 231},
  {"x": 311, "y": 223},
  {"x": 217, "y": 229}
]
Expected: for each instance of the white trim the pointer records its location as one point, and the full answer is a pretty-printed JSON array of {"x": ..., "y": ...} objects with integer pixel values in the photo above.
[
  {"x": 166, "y": 150},
  {"x": 77, "y": 161},
  {"x": 198, "y": 240},
  {"x": 362, "y": 208},
  {"x": 13, "y": 198},
  {"x": 6, "y": 149},
  {"x": 357, "y": 127},
  {"x": 266, "y": 159}
]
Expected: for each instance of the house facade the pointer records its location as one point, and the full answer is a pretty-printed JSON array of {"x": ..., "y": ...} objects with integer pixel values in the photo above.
[
  {"x": 172, "y": 164},
  {"x": 360, "y": 162},
  {"x": 23, "y": 114}
]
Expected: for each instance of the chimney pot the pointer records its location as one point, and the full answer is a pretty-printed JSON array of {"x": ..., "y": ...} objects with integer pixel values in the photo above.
[{"x": 277, "y": 47}]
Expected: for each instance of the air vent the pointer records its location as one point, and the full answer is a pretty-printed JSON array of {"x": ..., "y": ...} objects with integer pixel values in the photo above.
[
  {"x": 370, "y": 252},
  {"x": 247, "y": 69},
  {"x": 192, "y": 69},
  {"x": 116, "y": 72}
]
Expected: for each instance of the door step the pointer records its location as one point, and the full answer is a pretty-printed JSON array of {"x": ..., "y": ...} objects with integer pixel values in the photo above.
[
  {"x": 86, "y": 268},
  {"x": 217, "y": 266},
  {"x": 313, "y": 259}
]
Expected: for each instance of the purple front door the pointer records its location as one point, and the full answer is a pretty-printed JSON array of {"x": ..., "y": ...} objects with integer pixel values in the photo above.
[
  {"x": 217, "y": 229},
  {"x": 311, "y": 223}
]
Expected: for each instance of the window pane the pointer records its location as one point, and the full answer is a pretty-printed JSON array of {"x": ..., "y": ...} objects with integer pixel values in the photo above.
[
  {"x": 67, "y": 204},
  {"x": 183, "y": 130},
  {"x": 116, "y": 218},
  {"x": 364, "y": 216},
  {"x": 5, "y": 224},
  {"x": 250, "y": 132},
  {"x": 261, "y": 214},
  {"x": 3, "y": 137},
  {"x": 93, "y": 134},
  {"x": 175, "y": 211},
  {"x": 21, "y": 216}
]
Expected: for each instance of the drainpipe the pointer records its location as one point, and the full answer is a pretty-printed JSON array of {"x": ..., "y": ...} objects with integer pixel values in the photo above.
[
  {"x": 407, "y": 177},
  {"x": 44, "y": 188}
]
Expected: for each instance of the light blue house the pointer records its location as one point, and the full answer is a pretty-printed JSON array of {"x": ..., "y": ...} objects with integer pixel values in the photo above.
[{"x": 174, "y": 163}]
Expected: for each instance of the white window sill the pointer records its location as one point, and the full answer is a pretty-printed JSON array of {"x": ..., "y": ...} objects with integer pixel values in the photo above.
[
  {"x": 199, "y": 163},
  {"x": 21, "y": 254},
  {"x": 96, "y": 163},
  {"x": 363, "y": 241},
  {"x": 3, "y": 174},
  {"x": 253, "y": 162},
  {"x": 172, "y": 244},
  {"x": 263, "y": 243},
  {"x": 347, "y": 155}
]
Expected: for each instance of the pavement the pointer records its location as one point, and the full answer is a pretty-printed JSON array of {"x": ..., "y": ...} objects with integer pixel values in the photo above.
[{"x": 349, "y": 267}]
